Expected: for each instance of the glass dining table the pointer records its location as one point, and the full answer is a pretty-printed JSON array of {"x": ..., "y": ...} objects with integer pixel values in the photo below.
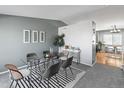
[{"x": 38, "y": 66}]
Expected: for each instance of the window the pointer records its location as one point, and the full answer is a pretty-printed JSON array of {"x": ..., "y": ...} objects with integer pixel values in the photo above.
[
  {"x": 107, "y": 39},
  {"x": 112, "y": 39},
  {"x": 117, "y": 39}
]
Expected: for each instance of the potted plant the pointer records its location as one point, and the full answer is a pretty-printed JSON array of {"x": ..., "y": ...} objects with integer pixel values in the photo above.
[
  {"x": 46, "y": 54},
  {"x": 59, "y": 40},
  {"x": 99, "y": 46}
]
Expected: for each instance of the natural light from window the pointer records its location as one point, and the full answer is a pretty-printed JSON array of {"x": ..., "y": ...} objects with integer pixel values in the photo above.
[{"x": 112, "y": 39}]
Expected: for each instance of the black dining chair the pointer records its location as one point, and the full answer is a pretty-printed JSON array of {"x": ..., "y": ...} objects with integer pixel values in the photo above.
[
  {"x": 50, "y": 72},
  {"x": 63, "y": 55},
  {"x": 31, "y": 57},
  {"x": 67, "y": 64},
  {"x": 34, "y": 60}
]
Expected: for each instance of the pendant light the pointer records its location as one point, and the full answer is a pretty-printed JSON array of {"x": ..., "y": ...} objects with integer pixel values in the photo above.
[{"x": 114, "y": 29}]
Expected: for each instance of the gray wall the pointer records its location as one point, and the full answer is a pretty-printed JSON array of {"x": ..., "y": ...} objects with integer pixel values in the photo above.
[{"x": 12, "y": 48}]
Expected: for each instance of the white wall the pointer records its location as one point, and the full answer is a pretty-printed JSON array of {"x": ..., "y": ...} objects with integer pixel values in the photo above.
[
  {"x": 80, "y": 35},
  {"x": 113, "y": 15},
  {"x": 104, "y": 18}
]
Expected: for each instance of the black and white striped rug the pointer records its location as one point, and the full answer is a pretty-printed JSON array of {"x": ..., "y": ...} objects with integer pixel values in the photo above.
[{"x": 35, "y": 82}]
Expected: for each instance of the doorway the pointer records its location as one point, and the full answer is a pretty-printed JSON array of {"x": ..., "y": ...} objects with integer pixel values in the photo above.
[{"x": 109, "y": 48}]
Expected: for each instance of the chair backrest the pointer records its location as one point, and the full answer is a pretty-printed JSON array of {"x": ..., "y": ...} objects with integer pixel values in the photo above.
[
  {"x": 15, "y": 74},
  {"x": 31, "y": 59},
  {"x": 65, "y": 53},
  {"x": 31, "y": 56},
  {"x": 67, "y": 63},
  {"x": 52, "y": 70}
]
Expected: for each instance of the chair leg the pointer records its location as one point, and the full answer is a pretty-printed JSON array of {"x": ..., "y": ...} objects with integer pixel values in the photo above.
[
  {"x": 65, "y": 73},
  {"x": 39, "y": 66},
  {"x": 47, "y": 65},
  {"x": 44, "y": 65},
  {"x": 16, "y": 83},
  {"x": 71, "y": 70},
  {"x": 35, "y": 67},
  {"x": 57, "y": 80},
  {"x": 52, "y": 61},
  {"x": 11, "y": 84}
]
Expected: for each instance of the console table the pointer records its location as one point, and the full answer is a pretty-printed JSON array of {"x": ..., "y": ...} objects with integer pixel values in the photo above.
[{"x": 75, "y": 53}]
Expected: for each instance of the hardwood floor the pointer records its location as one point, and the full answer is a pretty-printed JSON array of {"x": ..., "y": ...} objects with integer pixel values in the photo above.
[{"x": 109, "y": 59}]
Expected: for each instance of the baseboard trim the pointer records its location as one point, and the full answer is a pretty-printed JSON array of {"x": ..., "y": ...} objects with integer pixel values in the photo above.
[
  {"x": 87, "y": 64},
  {"x": 1, "y": 73},
  {"x": 91, "y": 65},
  {"x": 21, "y": 67}
]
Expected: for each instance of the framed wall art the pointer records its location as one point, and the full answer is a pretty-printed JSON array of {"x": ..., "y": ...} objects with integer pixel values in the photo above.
[
  {"x": 42, "y": 36},
  {"x": 35, "y": 36},
  {"x": 26, "y": 36}
]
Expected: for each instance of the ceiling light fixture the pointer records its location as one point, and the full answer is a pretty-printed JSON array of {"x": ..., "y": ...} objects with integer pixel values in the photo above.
[{"x": 114, "y": 29}]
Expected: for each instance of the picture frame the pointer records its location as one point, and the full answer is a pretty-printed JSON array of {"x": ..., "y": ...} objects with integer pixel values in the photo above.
[
  {"x": 35, "y": 36},
  {"x": 26, "y": 36},
  {"x": 42, "y": 36}
]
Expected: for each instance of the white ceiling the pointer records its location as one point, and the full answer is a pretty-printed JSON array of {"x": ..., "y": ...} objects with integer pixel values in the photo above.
[{"x": 64, "y": 13}]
